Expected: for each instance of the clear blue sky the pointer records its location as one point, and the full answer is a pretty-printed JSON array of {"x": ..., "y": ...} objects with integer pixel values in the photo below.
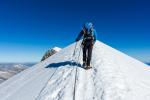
[{"x": 30, "y": 27}]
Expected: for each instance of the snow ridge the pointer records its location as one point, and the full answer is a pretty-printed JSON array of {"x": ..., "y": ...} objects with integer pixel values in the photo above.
[{"x": 114, "y": 76}]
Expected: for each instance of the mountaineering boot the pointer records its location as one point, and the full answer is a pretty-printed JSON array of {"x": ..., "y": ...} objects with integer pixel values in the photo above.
[
  {"x": 84, "y": 64},
  {"x": 88, "y": 66}
]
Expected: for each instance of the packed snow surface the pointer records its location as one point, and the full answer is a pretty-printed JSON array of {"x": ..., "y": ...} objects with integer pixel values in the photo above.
[{"x": 114, "y": 76}]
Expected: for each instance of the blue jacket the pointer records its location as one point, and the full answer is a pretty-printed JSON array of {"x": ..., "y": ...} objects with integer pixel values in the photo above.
[{"x": 81, "y": 35}]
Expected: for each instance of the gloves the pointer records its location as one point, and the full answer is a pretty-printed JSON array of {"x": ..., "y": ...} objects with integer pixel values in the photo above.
[
  {"x": 92, "y": 44},
  {"x": 82, "y": 44}
]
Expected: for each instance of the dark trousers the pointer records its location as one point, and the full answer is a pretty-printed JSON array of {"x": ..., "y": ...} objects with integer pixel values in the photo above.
[{"x": 87, "y": 54}]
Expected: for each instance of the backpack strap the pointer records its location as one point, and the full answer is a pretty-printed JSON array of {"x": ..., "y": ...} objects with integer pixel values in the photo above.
[{"x": 88, "y": 35}]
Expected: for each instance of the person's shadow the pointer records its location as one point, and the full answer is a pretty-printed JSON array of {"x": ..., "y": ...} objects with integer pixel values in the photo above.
[{"x": 62, "y": 64}]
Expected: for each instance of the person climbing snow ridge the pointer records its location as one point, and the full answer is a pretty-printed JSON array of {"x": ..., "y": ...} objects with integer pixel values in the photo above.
[{"x": 89, "y": 37}]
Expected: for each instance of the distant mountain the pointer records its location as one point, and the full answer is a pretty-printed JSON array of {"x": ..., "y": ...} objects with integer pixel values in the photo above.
[
  {"x": 50, "y": 52},
  {"x": 8, "y": 70}
]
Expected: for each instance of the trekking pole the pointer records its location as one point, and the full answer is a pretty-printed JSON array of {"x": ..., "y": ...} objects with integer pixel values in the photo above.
[
  {"x": 75, "y": 49},
  {"x": 75, "y": 79},
  {"x": 79, "y": 53},
  {"x": 73, "y": 53}
]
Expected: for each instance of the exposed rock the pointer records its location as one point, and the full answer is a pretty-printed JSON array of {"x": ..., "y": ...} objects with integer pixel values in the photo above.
[{"x": 50, "y": 53}]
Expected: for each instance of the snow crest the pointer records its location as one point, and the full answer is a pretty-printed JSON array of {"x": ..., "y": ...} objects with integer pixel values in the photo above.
[{"x": 114, "y": 76}]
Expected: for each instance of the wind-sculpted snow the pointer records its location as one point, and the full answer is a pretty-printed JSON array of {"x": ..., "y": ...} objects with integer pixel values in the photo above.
[{"x": 114, "y": 76}]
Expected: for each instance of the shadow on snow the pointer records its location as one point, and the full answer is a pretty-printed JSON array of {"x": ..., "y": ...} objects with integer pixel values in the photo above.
[{"x": 62, "y": 64}]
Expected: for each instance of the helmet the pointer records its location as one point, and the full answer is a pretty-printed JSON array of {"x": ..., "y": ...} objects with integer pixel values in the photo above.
[{"x": 88, "y": 26}]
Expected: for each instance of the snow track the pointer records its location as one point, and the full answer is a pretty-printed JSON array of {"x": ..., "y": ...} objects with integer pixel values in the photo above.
[
  {"x": 75, "y": 82},
  {"x": 45, "y": 85},
  {"x": 56, "y": 93},
  {"x": 114, "y": 76}
]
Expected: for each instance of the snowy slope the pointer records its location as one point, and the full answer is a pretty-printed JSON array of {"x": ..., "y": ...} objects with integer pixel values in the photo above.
[{"x": 115, "y": 76}]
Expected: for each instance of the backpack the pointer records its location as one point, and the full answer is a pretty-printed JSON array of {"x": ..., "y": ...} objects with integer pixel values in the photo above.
[{"x": 88, "y": 37}]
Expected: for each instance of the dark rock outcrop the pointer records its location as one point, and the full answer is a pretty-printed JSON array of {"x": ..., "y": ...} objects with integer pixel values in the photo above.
[{"x": 50, "y": 53}]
